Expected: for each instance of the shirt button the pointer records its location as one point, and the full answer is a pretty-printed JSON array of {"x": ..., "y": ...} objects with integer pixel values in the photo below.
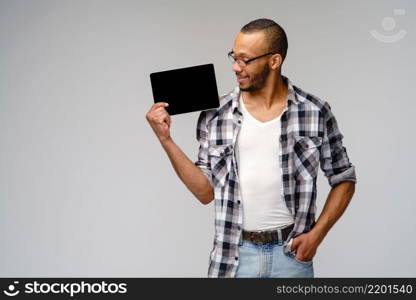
[
  {"x": 236, "y": 258},
  {"x": 238, "y": 201},
  {"x": 239, "y": 227}
]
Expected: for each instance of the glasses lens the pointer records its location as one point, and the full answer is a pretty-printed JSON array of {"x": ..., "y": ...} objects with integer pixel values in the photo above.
[
  {"x": 231, "y": 57},
  {"x": 236, "y": 60}
]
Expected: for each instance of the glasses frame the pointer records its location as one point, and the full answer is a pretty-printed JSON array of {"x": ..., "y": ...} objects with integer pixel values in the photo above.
[{"x": 245, "y": 62}]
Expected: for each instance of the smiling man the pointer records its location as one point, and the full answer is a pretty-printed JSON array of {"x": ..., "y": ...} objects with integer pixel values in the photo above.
[{"x": 258, "y": 159}]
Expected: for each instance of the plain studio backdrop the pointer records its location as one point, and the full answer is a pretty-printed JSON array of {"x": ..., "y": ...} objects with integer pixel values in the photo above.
[{"x": 87, "y": 190}]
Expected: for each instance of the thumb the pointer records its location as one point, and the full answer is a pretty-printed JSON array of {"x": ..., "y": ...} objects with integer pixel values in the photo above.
[{"x": 295, "y": 243}]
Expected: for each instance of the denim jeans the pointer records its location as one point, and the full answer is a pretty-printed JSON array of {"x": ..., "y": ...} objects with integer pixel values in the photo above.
[{"x": 269, "y": 260}]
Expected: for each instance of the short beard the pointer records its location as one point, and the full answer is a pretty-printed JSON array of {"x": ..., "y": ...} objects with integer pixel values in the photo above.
[{"x": 259, "y": 81}]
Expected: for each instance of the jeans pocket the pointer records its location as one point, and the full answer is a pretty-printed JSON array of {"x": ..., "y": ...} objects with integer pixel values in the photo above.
[{"x": 292, "y": 254}]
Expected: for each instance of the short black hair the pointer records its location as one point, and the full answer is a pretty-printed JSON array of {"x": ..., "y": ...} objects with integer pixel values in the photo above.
[{"x": 275, "y": 35}]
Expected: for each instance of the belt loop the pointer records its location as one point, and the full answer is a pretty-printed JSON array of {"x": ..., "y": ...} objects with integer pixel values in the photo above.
[{"x": 279, "y": 234}]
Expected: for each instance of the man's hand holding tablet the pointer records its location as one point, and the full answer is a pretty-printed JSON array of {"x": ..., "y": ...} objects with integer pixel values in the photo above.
[{"x": 160, "y": 120}]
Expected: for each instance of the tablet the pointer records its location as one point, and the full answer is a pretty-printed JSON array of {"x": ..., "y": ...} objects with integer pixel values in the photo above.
[{"x": 187, "y": 89}]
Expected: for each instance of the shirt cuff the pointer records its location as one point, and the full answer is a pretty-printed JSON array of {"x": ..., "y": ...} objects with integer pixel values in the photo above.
[
  {"x": 346, "y": 175},
  {"x": 207, "y": 174}
]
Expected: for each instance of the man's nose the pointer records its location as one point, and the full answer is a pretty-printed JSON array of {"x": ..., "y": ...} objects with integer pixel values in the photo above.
[{"x": 236, "y": 67}]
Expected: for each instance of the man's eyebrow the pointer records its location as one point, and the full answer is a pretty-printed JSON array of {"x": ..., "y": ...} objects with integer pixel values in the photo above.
[{"x": 241, "y": 53}]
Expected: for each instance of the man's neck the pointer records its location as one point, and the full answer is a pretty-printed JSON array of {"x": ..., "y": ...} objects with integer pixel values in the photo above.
[{"x": 273, "y": 93}]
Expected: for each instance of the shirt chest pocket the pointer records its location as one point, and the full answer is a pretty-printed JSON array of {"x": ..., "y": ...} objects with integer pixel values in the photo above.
[
  {"x": 306, "y": 157},
  {"x": 220, "y": 158}
]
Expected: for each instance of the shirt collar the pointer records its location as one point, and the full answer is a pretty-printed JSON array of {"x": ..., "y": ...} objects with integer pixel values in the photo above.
[{"x": 291, "y": 94}]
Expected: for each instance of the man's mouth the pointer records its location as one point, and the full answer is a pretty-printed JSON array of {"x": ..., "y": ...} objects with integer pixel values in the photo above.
[{"x": 240, "y": 79}]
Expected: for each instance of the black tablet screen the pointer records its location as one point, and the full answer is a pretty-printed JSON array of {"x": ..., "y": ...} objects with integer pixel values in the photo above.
[{"x": 186, "y": 89}]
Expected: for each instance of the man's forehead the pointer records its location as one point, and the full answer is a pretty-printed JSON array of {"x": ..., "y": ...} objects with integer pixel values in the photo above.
[{"x": 249, "y": 44}]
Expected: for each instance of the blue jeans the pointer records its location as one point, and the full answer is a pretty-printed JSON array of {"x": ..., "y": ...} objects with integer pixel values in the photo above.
[{"x": 269, "y": 260}]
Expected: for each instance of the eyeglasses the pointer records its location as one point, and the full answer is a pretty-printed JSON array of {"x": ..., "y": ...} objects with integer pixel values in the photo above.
[{"x": 243, "y": 63}]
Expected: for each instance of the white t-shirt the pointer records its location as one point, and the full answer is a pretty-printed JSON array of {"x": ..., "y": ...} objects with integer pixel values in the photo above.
[{"x": 260, "y": 176}]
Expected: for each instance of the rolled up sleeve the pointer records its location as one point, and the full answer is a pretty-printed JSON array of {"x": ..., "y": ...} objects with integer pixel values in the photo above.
[
  {"x": 202, "y": 137},
  {"x": 334, "y": 160}
]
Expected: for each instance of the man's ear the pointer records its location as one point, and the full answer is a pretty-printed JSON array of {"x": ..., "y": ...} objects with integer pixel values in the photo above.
[{"x": 276, "y": 61}]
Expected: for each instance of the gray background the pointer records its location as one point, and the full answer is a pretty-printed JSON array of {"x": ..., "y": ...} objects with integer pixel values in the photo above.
[{"x": 87, "y": 190}]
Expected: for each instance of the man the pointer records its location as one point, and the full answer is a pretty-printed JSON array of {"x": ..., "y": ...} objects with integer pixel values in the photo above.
[{"x": 258, "y": 158}]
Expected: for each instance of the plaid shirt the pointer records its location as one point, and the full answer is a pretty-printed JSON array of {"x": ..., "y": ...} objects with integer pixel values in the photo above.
[{"x": 309, "y": 137}]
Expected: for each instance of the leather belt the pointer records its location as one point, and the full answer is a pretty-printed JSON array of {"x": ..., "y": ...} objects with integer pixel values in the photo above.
[{"x": 267, "y": 236}]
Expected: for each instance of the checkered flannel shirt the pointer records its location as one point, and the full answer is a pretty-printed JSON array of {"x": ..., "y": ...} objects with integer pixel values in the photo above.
[{"x": 309, "y": 137}]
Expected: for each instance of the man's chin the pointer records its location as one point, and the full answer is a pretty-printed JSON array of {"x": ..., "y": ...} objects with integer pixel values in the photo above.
[{"x": 248, "y": 89}]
